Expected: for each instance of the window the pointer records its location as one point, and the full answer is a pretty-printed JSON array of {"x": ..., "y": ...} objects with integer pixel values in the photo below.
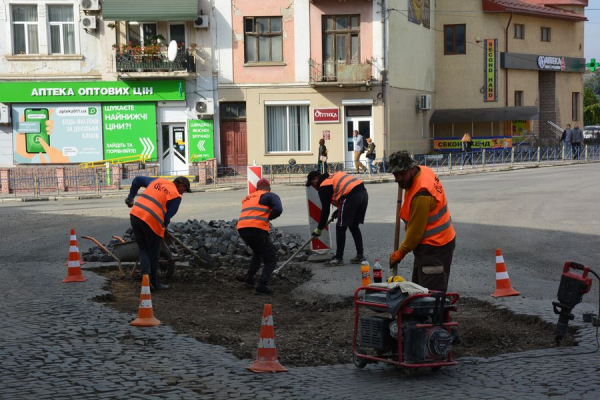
[
  {"x": 518, "y": 98},
  {"x": 288, "y": 129},
  {"x": 575, "y": 106},
  {"x": 25, "y": 29},
  {"x": 263, "y": 37},
  {"x": 233, "y": 111},
  {"x": 141, "y": 34},
  {"x": 519, "y": 31},
  {"x": 455, "y": 39},
  {"x": 341, "y": 39},
  {"x": 62, "y": 29},
  {"x": 545, "y": 34}
]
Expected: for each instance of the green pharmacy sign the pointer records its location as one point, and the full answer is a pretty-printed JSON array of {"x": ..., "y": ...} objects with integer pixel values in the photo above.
[
  {"x": 129, "y": 130},
  {"x": 201, "y": 134}
]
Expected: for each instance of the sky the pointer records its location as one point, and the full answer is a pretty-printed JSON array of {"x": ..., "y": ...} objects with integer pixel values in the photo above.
[{"x": 591, "y": 47}]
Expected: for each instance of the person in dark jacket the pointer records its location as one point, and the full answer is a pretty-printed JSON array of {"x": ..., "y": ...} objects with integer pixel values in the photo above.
[
  {"x": 150, "y": 216},
  {"x": 576, "y": 140},
  {"x": 467, "y": 144},
  {"x": 350, "y": 197},
  {"x": 258, "y": 209},
  {"x": 322, "y": 162}
]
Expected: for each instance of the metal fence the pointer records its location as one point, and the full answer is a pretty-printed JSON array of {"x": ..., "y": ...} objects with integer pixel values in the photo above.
[{"x": 44, "y": 181}]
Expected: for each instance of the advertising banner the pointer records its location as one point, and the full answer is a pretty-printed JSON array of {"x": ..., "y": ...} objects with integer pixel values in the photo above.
[
  {"x": 57, "y": 133},
  {"x": 448, "y": 145},
  {"x": 129, "y": 130},
  {"x": 85, "y": 92},
  {"x": 201, "y": 134},
  {"x": 491, "y": 70}
]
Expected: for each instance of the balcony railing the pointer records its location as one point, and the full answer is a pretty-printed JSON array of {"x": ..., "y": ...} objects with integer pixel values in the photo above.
[
  {"x": 128, "y": 61},
  {"x": 340, "y": 72}
]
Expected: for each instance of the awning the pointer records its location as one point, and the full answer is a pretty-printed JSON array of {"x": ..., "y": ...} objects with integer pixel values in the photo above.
[
  {"x": 149, "y": 10},
  {"x": 484, "y": 114}
]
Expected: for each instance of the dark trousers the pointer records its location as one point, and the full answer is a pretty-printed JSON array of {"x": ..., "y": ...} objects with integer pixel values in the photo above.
[
  {"x": 352, "y": 213},
  {"x": 576, "y": 150},
  {"x": 431, "y": 268},
  {"x": 467, "y": 156},
  {"x": 340, "y": 240},
  {"x": 263, "y": 251},
  {"x": 149, "y": 244}
]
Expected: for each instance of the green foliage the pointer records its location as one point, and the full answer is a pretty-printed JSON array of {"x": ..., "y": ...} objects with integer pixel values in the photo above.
[
  {"x": 589, "y": 98},
  {"x": 591, "y": 114},
  {"x": 594, "y": 83}
]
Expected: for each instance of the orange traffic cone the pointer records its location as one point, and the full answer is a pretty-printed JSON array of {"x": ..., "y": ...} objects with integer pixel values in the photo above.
[
  {"x": 74, "y": 266},
  {"x": 145, "y": 313},
  {"x": 266, "y": 359},
  {"x": 503, "y": 286},
  {"x": 74, "y": 238}
]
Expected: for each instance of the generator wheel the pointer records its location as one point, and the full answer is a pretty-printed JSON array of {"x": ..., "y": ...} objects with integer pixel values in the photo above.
[
  {"x": 166, "y": 269},
  {"x": 359, "y": 362}
]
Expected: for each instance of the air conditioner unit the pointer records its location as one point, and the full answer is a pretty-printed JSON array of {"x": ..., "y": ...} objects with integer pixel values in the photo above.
[
  {"x": 425, "y": 102},
  {"x": 205, "y": 107},
  {"x": 90, "y": 5},
  {"x": 201, "y": 22},
  {"x": 89, "y": 22}
]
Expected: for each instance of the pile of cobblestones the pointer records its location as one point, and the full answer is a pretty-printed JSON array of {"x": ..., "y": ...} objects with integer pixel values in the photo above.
[{"x": 218, "y": 240}]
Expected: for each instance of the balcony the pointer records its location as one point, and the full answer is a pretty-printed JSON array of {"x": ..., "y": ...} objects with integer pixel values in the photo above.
[
  {"x": 340, "y": 73},
  {"x": 141, "y": 63}
]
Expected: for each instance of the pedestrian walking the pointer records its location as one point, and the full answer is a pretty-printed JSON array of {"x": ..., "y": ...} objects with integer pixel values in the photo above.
[
  {"x": 358, "y": 149},
  {"x": 576, "y": 140},
  {"x": 322, "y": 162},
  {"x": 258, "y": 209},
  {"x": 429, "y": 231},
  {"x": 563, "y": 137},
  {"x": 350, "y": 197},
  {"x": 371, "y": 155},
  {"x": 466, "y": 143},
  {"x": 150, "y": 216}
]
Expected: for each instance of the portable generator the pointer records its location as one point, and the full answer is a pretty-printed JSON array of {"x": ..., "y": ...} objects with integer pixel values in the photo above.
[{"x": 416, "y": 331}]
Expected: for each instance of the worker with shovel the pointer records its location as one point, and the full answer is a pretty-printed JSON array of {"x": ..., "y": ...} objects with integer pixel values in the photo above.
[
  {"x": 429, "y": 231},
  {"x": 258, "y": 209},
  {"x": 350, "y": 197},
  {"x": 150, "y": 215}
]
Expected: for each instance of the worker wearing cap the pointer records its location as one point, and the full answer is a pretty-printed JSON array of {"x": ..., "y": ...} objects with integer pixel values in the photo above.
[
  {"x": 150, "y": 215},
  {"x": 258, "y": 209},
  {"x": 350, "y": 197},
  {"x": 429, "y": 231}
]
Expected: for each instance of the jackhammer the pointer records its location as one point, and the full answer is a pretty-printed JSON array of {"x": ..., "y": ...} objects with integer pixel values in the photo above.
[{"x": 570, "y": 292}]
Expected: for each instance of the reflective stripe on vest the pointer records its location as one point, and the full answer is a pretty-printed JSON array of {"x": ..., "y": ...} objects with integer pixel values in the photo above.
[
  {"x": 151, "y": 205},
  {"x": 254, "y": 215},
  {"x": 439, "y": 229},
  {"x": 342, "y": 185}
]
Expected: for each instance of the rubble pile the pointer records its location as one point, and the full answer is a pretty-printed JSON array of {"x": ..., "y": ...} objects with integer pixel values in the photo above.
[{"x": 217, "y": 239}]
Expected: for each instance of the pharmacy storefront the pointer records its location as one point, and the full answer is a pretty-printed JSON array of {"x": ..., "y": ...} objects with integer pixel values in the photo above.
[{"x": 77, "y": 122}]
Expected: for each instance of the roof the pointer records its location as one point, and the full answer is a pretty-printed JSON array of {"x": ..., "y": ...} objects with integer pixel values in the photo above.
[{"x": 536, "y": 8}]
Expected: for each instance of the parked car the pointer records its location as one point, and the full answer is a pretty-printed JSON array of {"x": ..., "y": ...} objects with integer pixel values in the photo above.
[{"x": 591, "y": 134}]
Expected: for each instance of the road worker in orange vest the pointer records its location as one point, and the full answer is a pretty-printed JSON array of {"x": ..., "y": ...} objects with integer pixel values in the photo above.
[
  {"x": 429, "y": 231},
  {"x": 350, "y": 196},
  {"x": 150, "y": 215},
  {"x": 258, "y": 209}
]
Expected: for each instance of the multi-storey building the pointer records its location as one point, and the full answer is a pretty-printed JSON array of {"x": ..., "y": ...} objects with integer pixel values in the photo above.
[{"x": 508, "y": 68}]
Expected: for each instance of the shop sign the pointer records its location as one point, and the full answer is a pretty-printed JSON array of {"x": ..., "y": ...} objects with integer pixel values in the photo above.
[
  {"x": 87, "y": 92},
  {"x": 551, "y": 63},
  {"x": 491, "y": 70},
  {"x": 201, "y": 134},
  {"x": 129, "y": 130},
  {"x": 57, "y": 133},
  {"x": 448, "y": 145},
  {"x": 326, "y": 115}
]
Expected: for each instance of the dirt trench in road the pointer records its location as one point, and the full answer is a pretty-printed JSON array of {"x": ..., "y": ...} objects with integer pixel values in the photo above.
[{"x": 211, "y": 306}]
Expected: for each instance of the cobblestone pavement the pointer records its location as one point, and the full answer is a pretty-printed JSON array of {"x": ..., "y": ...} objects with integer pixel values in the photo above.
[{"x": 56, "y": 343}]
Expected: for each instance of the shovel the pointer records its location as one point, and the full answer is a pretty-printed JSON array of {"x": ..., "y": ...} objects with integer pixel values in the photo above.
[
  {"x": 197, "y": 259},
  {"x": 333, "y": 216}
]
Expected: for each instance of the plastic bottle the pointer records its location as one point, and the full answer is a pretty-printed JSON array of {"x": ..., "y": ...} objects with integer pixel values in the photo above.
[
  {"x": 365, "y": 271},
  {"x": 377, "y": 275}
]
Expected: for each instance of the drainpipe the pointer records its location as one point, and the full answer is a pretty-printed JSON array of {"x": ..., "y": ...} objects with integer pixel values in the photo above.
[
  {"x": 505, "y": 53},
  {"x": 384, "y": 74}
]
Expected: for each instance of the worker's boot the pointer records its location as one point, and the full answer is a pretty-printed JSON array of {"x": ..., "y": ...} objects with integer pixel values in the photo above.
[{"x": 263, "y": 289}]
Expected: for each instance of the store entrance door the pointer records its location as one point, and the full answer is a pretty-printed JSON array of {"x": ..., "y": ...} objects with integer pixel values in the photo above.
[
  {"x": 364, "y": 127},
  {"x": 174, "y": 150}
]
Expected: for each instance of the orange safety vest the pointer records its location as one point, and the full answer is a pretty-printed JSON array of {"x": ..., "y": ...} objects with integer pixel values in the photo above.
[
  {"x": 254, "y": 215},
  {"x": 151, "y": 205},
  {"x": 342, "y": 185},
  {"x": 439, "y": 230}
]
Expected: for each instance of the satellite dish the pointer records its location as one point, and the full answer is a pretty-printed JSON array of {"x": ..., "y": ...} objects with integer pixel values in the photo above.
[{"x": 172, "y": 51}]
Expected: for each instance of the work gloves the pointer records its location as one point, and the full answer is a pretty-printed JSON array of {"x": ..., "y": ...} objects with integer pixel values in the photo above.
[
  {"x": 317, "y": 232},
  {"x": 129, "y": 202},
  {"x": 395, "y": 258}
]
